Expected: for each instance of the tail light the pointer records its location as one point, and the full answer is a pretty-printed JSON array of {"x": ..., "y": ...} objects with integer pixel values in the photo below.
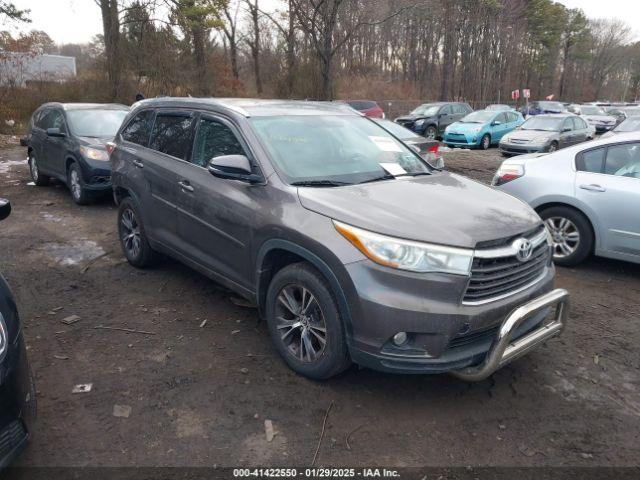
[
  {"x": 110, "y": 147},
  {"x": 507, "y": 173},
  {"x": 434, "y": 149}
]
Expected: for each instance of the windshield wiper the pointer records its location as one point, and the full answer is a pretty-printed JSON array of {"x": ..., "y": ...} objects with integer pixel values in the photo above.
[
  {"x": 378, "y": 179},
  {"x": 320, "y": 183}
]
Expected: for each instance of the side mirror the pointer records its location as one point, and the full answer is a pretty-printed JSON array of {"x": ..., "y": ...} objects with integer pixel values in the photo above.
[
  {"x": 5, "y": 208},
  {"x": 566, "y": 129},
  {"x": 55, "y": 132},
  {"x": 234, "y": 167}
]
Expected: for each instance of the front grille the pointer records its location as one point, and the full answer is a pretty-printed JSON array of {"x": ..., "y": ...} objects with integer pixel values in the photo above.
[
  {"x": 11, "y": 437},
  {"x": 502, "y": 275},
  {"x": 406, "y": 123}
]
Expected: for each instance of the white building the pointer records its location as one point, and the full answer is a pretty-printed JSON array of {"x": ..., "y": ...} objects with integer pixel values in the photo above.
[{"x": 19, "y": 68}]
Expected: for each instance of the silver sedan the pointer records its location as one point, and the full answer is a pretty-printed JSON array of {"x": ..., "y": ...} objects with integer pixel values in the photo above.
[{"x": 588, "y": 195}]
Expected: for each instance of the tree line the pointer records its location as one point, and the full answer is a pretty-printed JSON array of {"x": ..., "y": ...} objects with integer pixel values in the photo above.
[{"x": 472, "y": 50}]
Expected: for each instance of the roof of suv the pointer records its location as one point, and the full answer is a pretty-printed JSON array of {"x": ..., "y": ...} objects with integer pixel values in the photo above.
[
  {"x": 249, "y": 107},
  {"x": 87, "y": 106}
]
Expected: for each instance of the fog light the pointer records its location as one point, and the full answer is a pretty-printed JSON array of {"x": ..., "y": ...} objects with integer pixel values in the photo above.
[{"x": 400, "y": 338}]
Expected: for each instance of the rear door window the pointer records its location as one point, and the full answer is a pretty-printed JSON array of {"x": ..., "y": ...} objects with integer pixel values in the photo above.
[
  {"x": 214, "y": 139},
  {"x": 138, "y": 130},
  {"x": 591, "y": 161},
  {"x": 172, "y": 133}
]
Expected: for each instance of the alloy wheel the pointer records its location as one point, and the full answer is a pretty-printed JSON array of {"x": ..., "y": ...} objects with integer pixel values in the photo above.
[
  {"x": 74, "y": 183},
  {"x": 300, "y": 323},
  {"x": 430, "y": 133},
  {"x": 33, "y": 168},
  {"x": 485, "y": 142},
  {"x": 565, "y": 235},
  {"x": 553, "y": 147},
  {"x": 131, "y": 239}
]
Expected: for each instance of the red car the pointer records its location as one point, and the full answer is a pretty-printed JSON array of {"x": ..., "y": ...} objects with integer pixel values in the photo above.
[{"x": 368, "y": 107}]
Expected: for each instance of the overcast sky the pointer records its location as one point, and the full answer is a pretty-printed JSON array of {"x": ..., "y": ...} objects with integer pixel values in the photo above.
[{"x": 77, "y": 21}]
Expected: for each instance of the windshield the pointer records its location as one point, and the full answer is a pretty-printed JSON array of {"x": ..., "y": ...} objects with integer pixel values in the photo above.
[
  {"x": 95, "y": 123},
  {"x": 334, "y": 148},
  {"x": 428, "y": 110},
  {"x": 555, "y": 106},
  {"x": 479, "y": 117},
  {"x": 395, "y": 129},
  {"x": 546, "y": 124},
  {"x": 629, "y": 125},
  {"x": 592, "y": 110}
]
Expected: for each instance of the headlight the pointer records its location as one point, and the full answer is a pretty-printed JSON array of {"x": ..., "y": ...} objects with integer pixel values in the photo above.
[
  {"x": 406, "y": 254},
  {"x": 419, "y": 123},
  {"x": 4, "y": 338},
  {"x": 94, "y": 154}
]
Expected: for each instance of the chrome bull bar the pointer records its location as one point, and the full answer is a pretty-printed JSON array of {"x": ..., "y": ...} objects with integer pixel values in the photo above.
[{"x": 503, "y": 350}]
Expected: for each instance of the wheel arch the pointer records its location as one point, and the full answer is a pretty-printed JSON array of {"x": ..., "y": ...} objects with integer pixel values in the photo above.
[
  {"x": 276, "y": 254},
  {"x": 550, "y": 204}
]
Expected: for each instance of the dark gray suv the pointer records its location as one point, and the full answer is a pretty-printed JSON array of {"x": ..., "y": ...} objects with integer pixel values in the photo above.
[{"x": 351, "y": 245}]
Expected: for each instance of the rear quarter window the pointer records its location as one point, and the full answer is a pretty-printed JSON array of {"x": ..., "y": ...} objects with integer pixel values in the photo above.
[
  {"x": 591, "y": 161},
  {"x": 138, "y": 130}
]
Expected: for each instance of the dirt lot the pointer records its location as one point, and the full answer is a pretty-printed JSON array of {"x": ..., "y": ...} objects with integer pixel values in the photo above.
[{"x": 201, "y": 386}]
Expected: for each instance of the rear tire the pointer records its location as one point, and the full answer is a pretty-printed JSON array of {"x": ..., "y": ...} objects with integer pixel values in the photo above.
[
  {"x": 133, "y": 238},
  {"x": 38, "y": 178},
  {"x": 305, "y": 323},
  {"x": 572, "y": 235}
]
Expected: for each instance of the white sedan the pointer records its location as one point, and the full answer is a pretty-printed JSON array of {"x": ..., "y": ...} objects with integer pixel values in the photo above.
[{"x": 588, "y": 195}]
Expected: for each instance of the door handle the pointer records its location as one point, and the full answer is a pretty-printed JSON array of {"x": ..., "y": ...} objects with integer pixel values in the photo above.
[
  {"x": 138, "y": 163},
  {"x": 593, "y": 188},
  {"x": 184, "y": 185}
]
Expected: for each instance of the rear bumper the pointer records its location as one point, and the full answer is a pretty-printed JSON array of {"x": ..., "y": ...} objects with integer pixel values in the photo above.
[{"x": 603, "y": 128}]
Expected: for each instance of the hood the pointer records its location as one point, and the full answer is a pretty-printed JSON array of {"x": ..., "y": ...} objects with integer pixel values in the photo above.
[
  {"x": 94, "y": 142},
  {"x": 600, "y": 118},
  {"x": 443, "y": 208},
  {"x": 461, "y": 127},
  {"x": 411, "y": 118},
  {"x": 529, "y": 135}
]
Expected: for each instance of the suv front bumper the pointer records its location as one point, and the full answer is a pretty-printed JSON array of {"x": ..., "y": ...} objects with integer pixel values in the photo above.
[{"x": 505, "y": 349}]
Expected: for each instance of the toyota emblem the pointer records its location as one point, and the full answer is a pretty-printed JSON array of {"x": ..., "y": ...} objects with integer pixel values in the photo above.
[{"x": 524, "y": 249}]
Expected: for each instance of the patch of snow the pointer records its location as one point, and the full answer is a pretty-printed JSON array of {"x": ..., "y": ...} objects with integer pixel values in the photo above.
[
  {"x": 6, "y": 165},
  {"x": 73, "y": 252}
]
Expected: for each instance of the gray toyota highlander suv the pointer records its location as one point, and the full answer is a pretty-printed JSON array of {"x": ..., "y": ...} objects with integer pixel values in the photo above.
[{"x": 352, "y": 246}]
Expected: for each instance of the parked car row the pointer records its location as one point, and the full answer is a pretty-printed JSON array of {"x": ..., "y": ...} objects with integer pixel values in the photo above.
[{"x": 318, "y": 210}]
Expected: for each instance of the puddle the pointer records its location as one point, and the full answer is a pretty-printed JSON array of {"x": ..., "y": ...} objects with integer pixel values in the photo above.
[
  {"x": 74, "y": 252},
  {"x": 6, "y": 165}
]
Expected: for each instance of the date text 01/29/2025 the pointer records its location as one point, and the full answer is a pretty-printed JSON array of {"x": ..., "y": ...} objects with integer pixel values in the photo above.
[{"x": 315, "y": 473}]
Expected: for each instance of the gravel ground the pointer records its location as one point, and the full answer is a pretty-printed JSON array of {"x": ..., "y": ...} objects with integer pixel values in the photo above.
[{"x": 196, "y": 389}]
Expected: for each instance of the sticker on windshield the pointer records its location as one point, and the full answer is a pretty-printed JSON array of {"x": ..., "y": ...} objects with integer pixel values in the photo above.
[
  {"x": 386, "y": 144},
  {"x": 393, "y": 168}
]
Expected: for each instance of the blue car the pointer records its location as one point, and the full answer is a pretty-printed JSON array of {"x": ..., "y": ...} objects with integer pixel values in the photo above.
[{"x": 482, "y": 129}]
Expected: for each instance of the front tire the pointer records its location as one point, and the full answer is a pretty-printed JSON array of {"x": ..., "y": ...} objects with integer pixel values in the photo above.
[
  {"x": 34, "y": 170},
  {"x": 485, "y": 142},
  {"x": 305, "y": 324},
  {"x": 79, "y": 193},
  {"x": 553, "y": 147},
  {"x": 430, "y": 132},
  {"x": 572, "y": 235},
  {"x": 133, "y": 238}
]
